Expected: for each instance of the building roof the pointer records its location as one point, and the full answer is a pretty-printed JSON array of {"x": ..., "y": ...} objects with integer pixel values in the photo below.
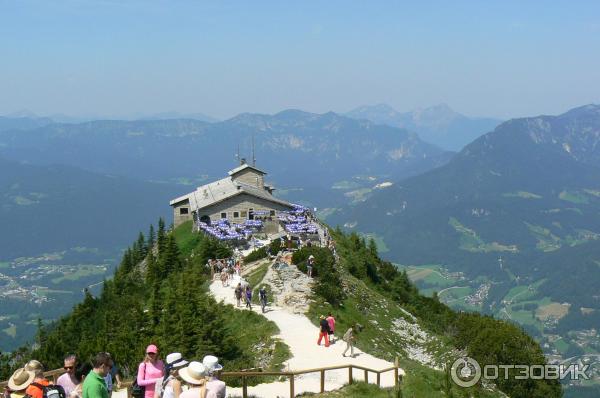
[
  {"x": 215, "y": 192},
  {"x": 244, "y": 167}
]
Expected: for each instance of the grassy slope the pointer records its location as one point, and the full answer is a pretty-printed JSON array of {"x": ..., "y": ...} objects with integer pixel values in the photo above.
[{"x": 376, "y": 313}]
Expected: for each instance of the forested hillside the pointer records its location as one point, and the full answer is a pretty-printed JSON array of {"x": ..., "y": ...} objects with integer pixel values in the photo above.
[{"x": 158, "y": 294}]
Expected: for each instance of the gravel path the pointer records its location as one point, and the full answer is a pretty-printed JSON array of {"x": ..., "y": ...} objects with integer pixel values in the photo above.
[{"x": 301, "y": 335}]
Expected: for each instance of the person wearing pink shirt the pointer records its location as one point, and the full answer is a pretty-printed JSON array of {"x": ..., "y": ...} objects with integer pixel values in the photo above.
[
  {"x": 331, "y": 322},
  {"x": 68, "y": 381},
  {"x": 150, "y": 371}
]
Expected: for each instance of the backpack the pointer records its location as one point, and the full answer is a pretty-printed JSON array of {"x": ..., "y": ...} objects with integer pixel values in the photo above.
[
  {"x": 138, "y": 391},
  {"x": 159, "y": 390},
  {"x": 51, "y": 391}
]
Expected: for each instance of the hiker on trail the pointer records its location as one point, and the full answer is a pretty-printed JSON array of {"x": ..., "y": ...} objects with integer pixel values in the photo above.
[
  {"x": 238, "y": 293},
  {"x": 238, "y": 268},
  {"x": 94, "y": 385},
  {"x": 19, "y": 381},
  {"x": 36, "y": 388},
  {"x": 214, "y": 385},
  {"x": 309, "y": 265},
  {"x": 248, "y": 297},
  {"x": 150, "y": 371},
  {"x": 224, "y": 277},
  {"x": 170, "y": 385},
  {"x": 323, "y": 331},
  {"x": 68, "y": 381},
  {"x": 331, "y": 322},
  {"x": 349, "y": 338},
  {"x": 262, "y": 296}
]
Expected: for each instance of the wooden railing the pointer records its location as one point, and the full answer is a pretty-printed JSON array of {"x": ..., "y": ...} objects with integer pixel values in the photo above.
[
  {"x": 53, "y": 375},
  {"x": 292, "y": 374}
]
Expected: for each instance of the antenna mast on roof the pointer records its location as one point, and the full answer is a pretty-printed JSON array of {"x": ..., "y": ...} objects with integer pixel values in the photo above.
[
  {"x": 253, "y": 153},
  {"x": 237, "y": 155}
]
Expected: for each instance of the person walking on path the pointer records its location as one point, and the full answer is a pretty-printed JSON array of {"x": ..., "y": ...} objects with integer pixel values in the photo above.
[
  {"x": 262, "y": 296},
  {"x": 331, "y": 322},
  {"x": 349, "y": 339},
  {"x": 309, "y": 265},
  {"x": 248, "y": 297},
  {"x": 94, "y": 385},
  {"x": 238, "y": 293},
  {"x": 150, "y": 371},
  {"x": 323, "y": 331}
]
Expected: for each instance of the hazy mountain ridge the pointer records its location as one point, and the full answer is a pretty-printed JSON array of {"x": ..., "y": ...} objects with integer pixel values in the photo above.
[
  {"x": 516, "y": 212},
  {"x": 439, "y": 124},
  {"x": 292, "y": 146}
]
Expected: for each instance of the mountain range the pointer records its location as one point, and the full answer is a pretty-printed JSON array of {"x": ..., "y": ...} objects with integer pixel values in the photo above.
[
  {"x": 297, "y": 149},
  {"x": 439, "y": 124},
  {"x": 517, "y": 211}
]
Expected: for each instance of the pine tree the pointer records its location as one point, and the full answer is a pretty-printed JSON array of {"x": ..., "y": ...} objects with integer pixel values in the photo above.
[
  {"x": 161, "y": 235},
  {"x": 142, "y": 249},
  {"x": 151, "y": 237}
]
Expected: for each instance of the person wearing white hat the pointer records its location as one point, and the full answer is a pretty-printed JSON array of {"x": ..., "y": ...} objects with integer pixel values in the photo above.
[
  {"x": 196, "y": 376},
  {"x": 170, "y": 385},
  {"x": 19, "y": 381},
  {"x": 214, "y": 385}
]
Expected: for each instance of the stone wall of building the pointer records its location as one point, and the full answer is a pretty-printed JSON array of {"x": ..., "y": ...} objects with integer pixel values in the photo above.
[
  {"x": 250, "y": 177},
  {"x": 237, "y": 209},
  {"x": 182, "y": 213}
]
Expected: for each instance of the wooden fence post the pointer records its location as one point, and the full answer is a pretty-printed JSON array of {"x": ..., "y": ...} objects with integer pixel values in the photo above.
[
  {"x": 366, "y": 376},
  {"x": 244, "y": 387},
  {"x": 396, "y": 365},
  {"x": 350, "y": 374},
  {"x": 292, "y": 394},
  {"x": 378, "y": 379},
  {"x": 322, "y": 380}
]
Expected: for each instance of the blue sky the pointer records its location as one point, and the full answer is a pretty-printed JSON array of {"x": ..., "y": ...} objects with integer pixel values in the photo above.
[{"x": 502, "y": 59}]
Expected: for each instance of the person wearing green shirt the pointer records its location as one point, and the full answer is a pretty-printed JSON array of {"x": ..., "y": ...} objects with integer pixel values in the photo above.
[{"x": 94, "y": 385}]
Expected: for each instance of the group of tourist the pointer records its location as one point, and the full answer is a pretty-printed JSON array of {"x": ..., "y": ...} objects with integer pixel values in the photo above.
[
  {"x": 225, "y": 269},
  {"x": 327, "y": 330},
  {"x": 175, "y": 378},
  {"x": 245, "y": 292}
]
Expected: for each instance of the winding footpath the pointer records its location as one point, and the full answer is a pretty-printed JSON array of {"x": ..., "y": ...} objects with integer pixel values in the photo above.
[{"x": 301, "y": 335}]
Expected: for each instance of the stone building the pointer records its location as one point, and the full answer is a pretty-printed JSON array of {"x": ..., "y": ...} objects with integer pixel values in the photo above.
[{"x": 243, "y": 195}]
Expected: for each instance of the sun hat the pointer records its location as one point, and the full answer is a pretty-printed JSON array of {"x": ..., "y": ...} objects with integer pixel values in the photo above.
[
  {"x": 211, "y": 363},
  {"x": 20, "y": 379},
  {"x": 194, "y": 373},
  {"x": 322, "y": 317},
  {"x": 175, "y": 360}
]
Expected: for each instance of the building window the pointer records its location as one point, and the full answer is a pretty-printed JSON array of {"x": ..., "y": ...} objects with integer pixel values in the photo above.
[
  {"x": 244, "y": 214},
  {"x": 272, "y": 213},
  {"x": 236, "y": 214},
  {"x": 223, "y": 215},
  {"x": 250, "y": 214},
  {"x": 184, "y": 210}
]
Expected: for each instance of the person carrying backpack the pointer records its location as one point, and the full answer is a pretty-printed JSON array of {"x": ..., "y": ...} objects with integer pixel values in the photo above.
[
  {"x": 262, "y": 296},
  {"x": 149, "y": 371},
  {"x": 323, "y": 331},
  {"x": 349, "y": 338},
  {"x": 37, "y": 389}
]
